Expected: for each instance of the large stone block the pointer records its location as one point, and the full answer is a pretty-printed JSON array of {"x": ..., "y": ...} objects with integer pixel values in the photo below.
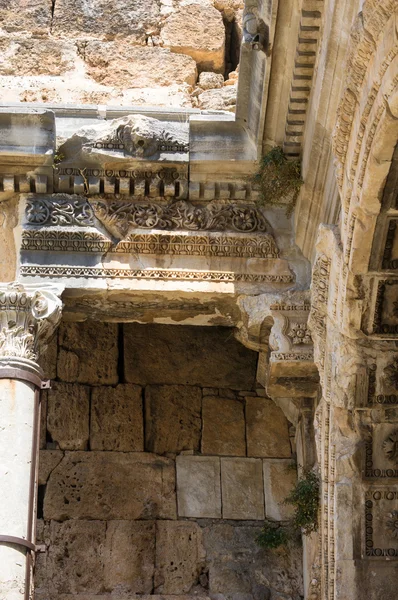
[
  {"x": 111, "y": 485},
  {"x": 266, "y": 429},
  {"x": 123, "y": 66},
  {"x": 29, "y": 56},
  {"x": 101, "y": 19},
  {"x": 223, "y": 427},
  {"x": 74, "y": 561},
  {"x": 187, "y": 355},
  {"x": 68, "y": 408},
  {"x": 33, "y": 16},
  {"x": 172, "y": 418},
  {"x": 279, "y": 479},
  {"x": 88, "y": 353},
  {"x": 242, "y": 488},
  {"x": 48, "y": 460},
  {"x": 198, "y": 31},
  {"x": 198, "y": 486},
  {"x": 179, "y": 556},
  {"x": 129, "y": 557},
  {"x": 116, "y": 418}
]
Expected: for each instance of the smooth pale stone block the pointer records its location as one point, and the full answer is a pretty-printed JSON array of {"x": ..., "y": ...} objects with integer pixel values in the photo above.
[
  {"x": 278, "y": 483},
  {"x": 198, "y": 486},
  {"x": 223, "y": 427},
  {"x": 41, "y": 184},
  {"x": 242, "y": 488},
  {"x": 266, "y": 429},
  {"x": 129, "y": 556}
]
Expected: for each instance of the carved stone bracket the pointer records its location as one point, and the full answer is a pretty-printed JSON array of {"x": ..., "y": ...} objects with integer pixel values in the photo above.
[{"x": 28, "y": 316}]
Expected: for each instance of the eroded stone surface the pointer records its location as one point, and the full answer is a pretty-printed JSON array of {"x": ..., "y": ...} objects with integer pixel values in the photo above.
[
  {"x": 279, "y": 479},
  {"x": 179, "y": 556},
  {"x": 223, "y": 427},
  {"x": 74, "y": 561},
  {"x": 111, "y": 485},
  {"x": 116, "y": 418},
  {"x": 198, "y": 486},
  {"x": 26, "y": 56},
  {"x": 122, "y": 66},
  {"x": 242, "y": 488},
  {"x": 187, "y": 355},
  {"x": 266, "y": 429},
  {"x": 21, "y": 16},
  {"x": 197, "y": 31},
  {"x": 88, "y": 353},
  {"x": 129, "y": 557},
  {"x": 103, "y": 20},
  {"x": 48, "y": 460},
  {"x": 172, "y": 418},
  {"x": 68, "y": 415}
]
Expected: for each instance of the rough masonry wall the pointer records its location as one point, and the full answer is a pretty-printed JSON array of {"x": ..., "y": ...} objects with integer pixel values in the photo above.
[
  {"x": 160, "y": 460},
  {"x": 122, "y": 52}
]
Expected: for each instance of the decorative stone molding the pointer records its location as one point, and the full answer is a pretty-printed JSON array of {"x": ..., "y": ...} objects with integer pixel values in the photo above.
[
  {"x": 390, "y": 447},
  {"x": 161, "y": 274},
  {"x": 380, "y": 539},
  {"x": 28, "y": 316},
  {"x": 183, "y": 244}
]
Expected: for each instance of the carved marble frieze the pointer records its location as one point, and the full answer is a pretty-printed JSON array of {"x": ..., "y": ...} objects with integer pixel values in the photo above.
[
  {"x": 390, "y": 253},
  {"x": 121, "y": 217},
  {"x": 383, "y": 384},
  {"x": 135, "y": 137},
  {"x": 381, "y": 451},
  {"x": 380, "y": 538}
]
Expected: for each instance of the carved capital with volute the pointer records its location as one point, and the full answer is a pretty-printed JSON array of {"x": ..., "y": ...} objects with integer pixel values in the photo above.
[{"x": 29, "y": 314}]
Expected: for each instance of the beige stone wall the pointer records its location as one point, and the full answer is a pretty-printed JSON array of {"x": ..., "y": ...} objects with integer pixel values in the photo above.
[
  {"x": 160, "y": 460},
  {"x": 120, "y": 53}
]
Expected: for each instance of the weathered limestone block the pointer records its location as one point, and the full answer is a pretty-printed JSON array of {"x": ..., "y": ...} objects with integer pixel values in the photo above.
[
  {"x": 279, "y": 479},
  {"x": 210, "y": 81},
  {"x": 105, "y": 20},
  {"x": 223, "y": 427},
  {"x": 111, "y": 485},
  {"x": 266, "y": 429},
  {"x": 29, "y": 56},
  {"x": 129, "y": 557},
  {"x": 123, "y": 66},
  {"x": 239, "y": 568},
  {"x": 219, "y": 99},
  {"x": 179, "y": 556},
  {"x": 48, "y": 460},
  {"x": 9, "y": 220},
  {"x": 75, "y": 559},
  {"x": 116, "y": 418},
  {"x": 197, "y": 31},
  {"x": 88, "y": 353},
  {"x": 48, "y": 359},
  {"x": 242, "y": 488},
  {"x": 68, "y": 408},
  {"x": 198, "y": 486},
  {"x": 33, "y": 16},
  {"x": 172, "y": 418},
  {"x": 187, "y": 355}
]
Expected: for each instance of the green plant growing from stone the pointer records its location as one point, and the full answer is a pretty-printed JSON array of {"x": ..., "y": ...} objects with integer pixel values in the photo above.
[
  {"x": 305, "y": 498},
  {"x": 279, "y": 180}
]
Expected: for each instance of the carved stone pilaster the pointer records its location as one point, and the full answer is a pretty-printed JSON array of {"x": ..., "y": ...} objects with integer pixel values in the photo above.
[{"x": 28, "y": 316}]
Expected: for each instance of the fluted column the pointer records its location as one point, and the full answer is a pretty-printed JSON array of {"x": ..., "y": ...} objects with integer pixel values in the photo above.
[{"x": 28, "y": 317}]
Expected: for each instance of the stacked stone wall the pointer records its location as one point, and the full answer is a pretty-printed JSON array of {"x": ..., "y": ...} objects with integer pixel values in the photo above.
[
  {"x": 160, "y": 459},
  {"x": 122, "y": 53}
]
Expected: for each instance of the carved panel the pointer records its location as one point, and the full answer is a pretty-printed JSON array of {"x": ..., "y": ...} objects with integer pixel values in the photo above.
[
  {"x": 381, "y": 523},
  {"x": 390, "y": 254},
  {"x": 385, "y": 384},
  {"x": 381, "y": 451},
  {"x": 385, "y": 321}
]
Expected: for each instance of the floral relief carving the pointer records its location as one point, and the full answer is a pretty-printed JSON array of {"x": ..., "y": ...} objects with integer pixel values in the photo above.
[
  {"x": 390, "y": 447},
  {"x": 299, "y": 334},
  {"x": 391, "y": 374},
  {"x": 392, "y": 523}
]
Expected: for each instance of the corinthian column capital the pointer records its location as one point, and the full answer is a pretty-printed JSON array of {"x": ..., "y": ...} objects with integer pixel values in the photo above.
[{"x": 29, "y": 314}]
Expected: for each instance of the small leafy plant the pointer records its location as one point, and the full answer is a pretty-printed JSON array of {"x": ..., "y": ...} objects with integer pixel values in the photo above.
[
  {"x": 305, "y": 498},
  {"x": 272, "y": 536},
  {"x": 279, "y": 179}
]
